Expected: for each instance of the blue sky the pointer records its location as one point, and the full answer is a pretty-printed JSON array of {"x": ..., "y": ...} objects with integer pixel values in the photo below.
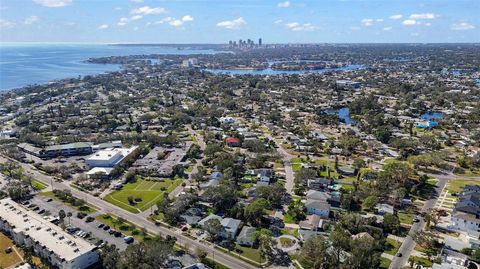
[{"x": 217, "y": 21}]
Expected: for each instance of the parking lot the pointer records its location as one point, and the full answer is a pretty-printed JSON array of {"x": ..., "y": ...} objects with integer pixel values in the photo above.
[{"x": 95, "y": 230}]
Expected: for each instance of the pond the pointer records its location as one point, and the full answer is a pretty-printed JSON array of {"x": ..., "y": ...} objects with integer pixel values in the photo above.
[
  {"x": 429, "y": 116},
  {"x": 343, "y": 113}
]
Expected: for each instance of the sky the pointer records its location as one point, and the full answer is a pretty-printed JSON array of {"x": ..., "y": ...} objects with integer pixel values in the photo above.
[{"x": 218, "y": 21}]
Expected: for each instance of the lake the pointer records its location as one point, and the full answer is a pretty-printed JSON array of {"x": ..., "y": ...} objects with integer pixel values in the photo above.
[
  {"x": 343, "y": 113},
  {"x": 22, "y": 64},
  {"x": 270, "y": 71}
]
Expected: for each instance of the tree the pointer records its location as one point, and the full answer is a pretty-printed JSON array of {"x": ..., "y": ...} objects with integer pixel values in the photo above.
[
  {"x": 213, "y": 227},
  {"x": 255, "y": 211},
  {"x": 314, "y": 251},
  {"x": 265, "y": 242},
  {"x": 69, "y": 215},
  {"x": 110, "y": 257},
  {"x": 340, "y": 239},
  {"x": 359, "y": 164},
  {"x": 272, "y": 193},
  {"x": 304, "y": 174},
  {"x": 370, "y": 202},
  {"x": 391, "y": 223},
  {"x": 296, "y": 209},
  {"x": 62, "y": 214},
  {"x": 149, "y": 254},
  {"x": 364, "y": 254}
]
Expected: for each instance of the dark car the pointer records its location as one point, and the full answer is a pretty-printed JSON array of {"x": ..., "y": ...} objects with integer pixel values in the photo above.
[
  {"x": 49, "y": 200},
  {"x": 101, "y": 225},
  {"x": 112, "y": 231},
  {"x": 399, "y": 254},
  {"x": 117, "y": 234},
  {"x": 41, "y": 211},
  {"x": 106, "y": 228},
  {"x": 89, "y": 219}
]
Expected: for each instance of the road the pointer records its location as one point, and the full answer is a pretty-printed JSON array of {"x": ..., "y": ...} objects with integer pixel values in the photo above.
[
  {"x": 138, "y": 220},
  {"x": 408, "y": 244},
  {"x": 287, "y": 163}
]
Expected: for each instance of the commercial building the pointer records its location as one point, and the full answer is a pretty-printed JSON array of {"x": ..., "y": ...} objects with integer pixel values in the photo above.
[
  {"x": 110, "y": 157},
  {"x": 153, "y": 165},
  {"x": 71, "y": 149},
  {"x": 48, "y": 240}
]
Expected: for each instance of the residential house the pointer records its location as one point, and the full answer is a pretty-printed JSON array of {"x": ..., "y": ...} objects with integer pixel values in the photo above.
[
  {"x": 233, "y": 142},
  {"x": 245, "y": 237},
  {"x": 383, "y": 209}
]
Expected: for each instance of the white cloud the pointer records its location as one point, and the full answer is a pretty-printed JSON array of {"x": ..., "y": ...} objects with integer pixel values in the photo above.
[
  {"x": 306, "y": 27},
  {"x": 423, "y": 16},
  {"x": 428, "y": 24},
  {"x": 367, "y": 22},
  {"x": 136, "y": 1},
  {"x": 31, "y": 20},
  {"x": 233, "y": 24},
  {"x": 146, "y": 10},
  {"x": 103, "y": 26},
  {"x": 387, "y": 28},
  {"x": 187, "y": 18},
  {"x": 462, "y": 26},
  {"x": 284, "y": 4},
  {"x": 175, "y": 22},
  {"x": 396, "y": 17},
  {"x": 355, "y": 27},
  {"x": 123, "y": 21},
  {"x": 278, "y": 21},
  {"x": 414, "y": 34},
  {"x": 136, "y": 17},
  {"x": 409, "y": 22},
  {"x": 53, "y": 3},
  {"x": 4, "y": 24}
]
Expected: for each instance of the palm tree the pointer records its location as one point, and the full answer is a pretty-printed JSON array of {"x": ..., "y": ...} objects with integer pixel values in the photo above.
[{"x": 69, "y": 214}]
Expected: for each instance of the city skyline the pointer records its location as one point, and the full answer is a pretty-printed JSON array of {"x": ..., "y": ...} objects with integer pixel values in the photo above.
[{"x": 149, "y": 21}]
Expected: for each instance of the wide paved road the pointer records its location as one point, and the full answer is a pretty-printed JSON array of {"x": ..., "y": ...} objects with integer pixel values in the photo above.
[{"x": 138, "y": 220}]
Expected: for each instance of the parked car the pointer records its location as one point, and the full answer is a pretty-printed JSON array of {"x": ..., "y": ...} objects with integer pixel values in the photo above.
[
  {"x": 89, "y": 219},
  {"x": 101, "y": 225},
  {"x": 128, "y": 239},
  {"x": 106, "y": 228}
]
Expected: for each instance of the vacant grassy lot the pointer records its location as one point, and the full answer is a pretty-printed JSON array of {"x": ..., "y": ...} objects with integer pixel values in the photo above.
[
  {"x": 406, "y": 218},
  {"x": 125, "y": 227},
  {"x": 458, "y": 184},
  {"x": 38, "y": 185},
  {"x": 384, "y": 263},
  {"x": 251, "y": 253},
  {"x": 146, "y": 193},
  {"x": 392, "y": 246},
  {"x": 88, "y": 209},
  {"x": 10, "y": 259}
]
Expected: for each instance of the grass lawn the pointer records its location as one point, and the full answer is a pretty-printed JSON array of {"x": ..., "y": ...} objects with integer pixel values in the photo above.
[
  {"x": 406, "y": 218},
  {"x": 126, "y": 227},
  {"x": 296, "y": 167},
  {"x": 10, "y": 259},
  {"x": 422, "y": 261},
  {"x": 85, "y": 209},
  {"x": 392, "y": 246},
  {"x": 384, "y": 263},
  {"x": 287, "y": 218},
  {"x": 149, "y": 192},
  {"x": 458, "y": 184},
  {"x": 251, "y": 253},
  {"x": 189, "y": 168},
  {"x": 38, "y": 185},
  {"x": 286, "y": 242}
]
